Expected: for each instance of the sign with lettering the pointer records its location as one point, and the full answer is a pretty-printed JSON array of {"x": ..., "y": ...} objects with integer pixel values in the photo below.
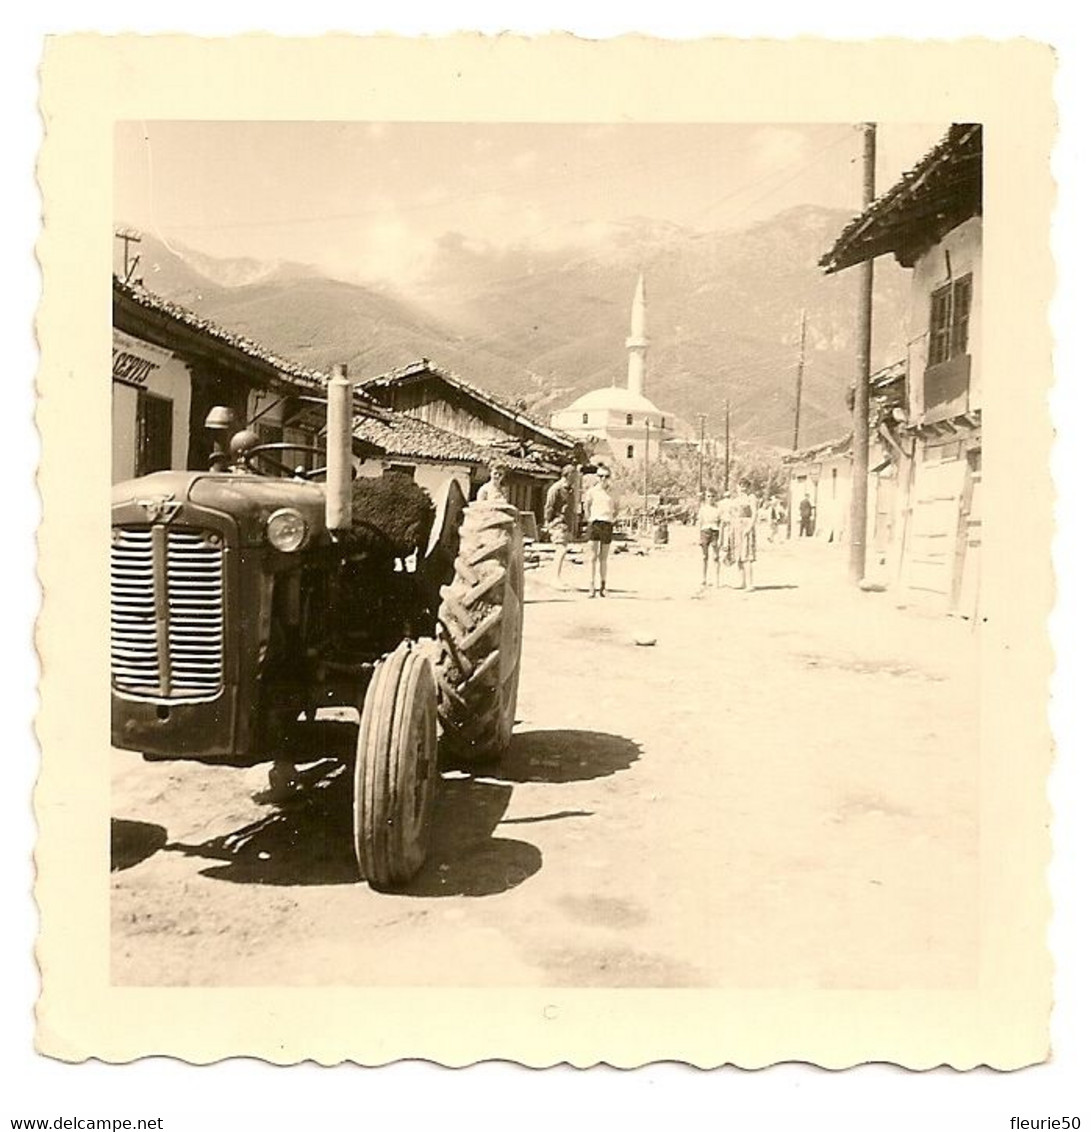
[{"x": 135, "y": 361}]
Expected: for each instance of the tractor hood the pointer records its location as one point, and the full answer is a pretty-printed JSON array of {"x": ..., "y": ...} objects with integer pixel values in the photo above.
[{"x": 247, "y": 499}]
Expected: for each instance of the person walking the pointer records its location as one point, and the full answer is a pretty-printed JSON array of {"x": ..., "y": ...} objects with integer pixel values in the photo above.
[
  {"x": 560, "y": 517},
  {"x": 493, "y": 488},
  {"x": 601, "y": 514},
  {"x": 744, "y": 515},
  {"x": 708, "y": 535}
]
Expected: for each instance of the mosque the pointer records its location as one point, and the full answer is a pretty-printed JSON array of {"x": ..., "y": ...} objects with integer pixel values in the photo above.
[{"x": 622, "y": 416}]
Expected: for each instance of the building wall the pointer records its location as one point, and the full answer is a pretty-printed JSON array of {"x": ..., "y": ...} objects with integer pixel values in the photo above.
[
  {"x": 828, "y": 481},
  {"x": 961, "y": 248},
  {"x": 941, "y": 552},
  {"x": 438, "y": 403},
  {"x": 139, "y": 365},
  {"x": 432, "y": 477},
  {"x": 614, "y": 427}
]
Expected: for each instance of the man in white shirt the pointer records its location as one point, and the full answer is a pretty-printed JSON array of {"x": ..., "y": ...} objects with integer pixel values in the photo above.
[{"x": 601, "y": 513}]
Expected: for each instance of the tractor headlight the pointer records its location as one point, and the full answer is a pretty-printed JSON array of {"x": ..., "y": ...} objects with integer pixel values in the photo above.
[{"x": 286, "y": 529}]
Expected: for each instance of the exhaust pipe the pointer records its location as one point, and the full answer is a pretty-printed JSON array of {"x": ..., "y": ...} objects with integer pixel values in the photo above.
[{"x": 339, "y": 450}]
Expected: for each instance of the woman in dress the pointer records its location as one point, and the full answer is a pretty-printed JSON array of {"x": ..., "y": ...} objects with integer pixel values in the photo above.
[{"x": 744, "y": 519}]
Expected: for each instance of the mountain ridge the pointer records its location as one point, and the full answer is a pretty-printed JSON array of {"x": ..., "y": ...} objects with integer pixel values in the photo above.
[{"x": 547, "y": 323}]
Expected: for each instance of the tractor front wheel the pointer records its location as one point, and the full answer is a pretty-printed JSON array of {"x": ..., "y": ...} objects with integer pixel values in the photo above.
[{"x": 394, "y": 785}]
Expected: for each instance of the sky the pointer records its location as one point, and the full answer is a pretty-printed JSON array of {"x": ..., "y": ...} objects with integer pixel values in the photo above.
[{"x": 367, "y": 201}]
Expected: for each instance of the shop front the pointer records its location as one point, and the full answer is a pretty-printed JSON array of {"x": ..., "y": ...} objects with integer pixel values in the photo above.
[{"x": 150, "y": 407}]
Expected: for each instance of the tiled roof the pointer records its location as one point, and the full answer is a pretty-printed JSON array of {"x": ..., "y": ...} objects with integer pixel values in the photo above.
[
  {"x": 399, "y": 435},
  {"x": 941, "y": 191},
  {"x": 425, "y": 368},
  {"x": 818, "y": 451},
  {"x": 236, "y": 343}
]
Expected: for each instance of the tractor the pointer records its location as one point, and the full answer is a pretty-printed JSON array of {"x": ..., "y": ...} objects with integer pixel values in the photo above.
[{"x": 243, "y": 602}]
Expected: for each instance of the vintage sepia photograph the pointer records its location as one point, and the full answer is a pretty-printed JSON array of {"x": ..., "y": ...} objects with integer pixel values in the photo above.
[
  {"x": 546, "y": 554},
  {"x": 560, "y": 579}
]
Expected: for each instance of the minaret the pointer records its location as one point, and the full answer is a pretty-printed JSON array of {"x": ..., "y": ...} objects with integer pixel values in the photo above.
[{"x": 637, "y": 342}]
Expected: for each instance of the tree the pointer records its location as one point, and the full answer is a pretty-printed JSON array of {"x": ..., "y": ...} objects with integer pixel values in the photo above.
[{"x": 675, "y": 478}]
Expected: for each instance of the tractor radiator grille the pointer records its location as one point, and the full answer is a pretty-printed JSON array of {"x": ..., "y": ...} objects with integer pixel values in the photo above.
[{"x": 166, "y": 613}]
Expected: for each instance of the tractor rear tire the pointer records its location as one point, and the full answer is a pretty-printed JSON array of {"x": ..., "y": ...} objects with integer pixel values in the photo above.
[
  {"x": 480, "y": 636},
  {"x": 394, "y": 783}
]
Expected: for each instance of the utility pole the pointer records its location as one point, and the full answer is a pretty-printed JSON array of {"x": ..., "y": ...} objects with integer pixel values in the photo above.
[
  {"x": 799, "y": 377},
  {"x": 727, "y": 445},
  {"x": 126, "y": 237},
  {"x": 701, "y": 458},
  {"x": 862, "y": 397},
  {"x": 647, "y": 432}
]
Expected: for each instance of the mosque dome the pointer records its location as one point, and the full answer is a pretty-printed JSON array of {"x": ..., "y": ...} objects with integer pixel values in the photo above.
[{"x": 618, "y": 398}]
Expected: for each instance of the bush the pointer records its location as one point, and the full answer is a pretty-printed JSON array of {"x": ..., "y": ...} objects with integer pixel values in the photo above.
[{"x": 391, "y": 515}]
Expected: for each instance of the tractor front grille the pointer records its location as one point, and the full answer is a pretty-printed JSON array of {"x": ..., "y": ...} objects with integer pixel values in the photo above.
[{"x": 166, "y": 612}]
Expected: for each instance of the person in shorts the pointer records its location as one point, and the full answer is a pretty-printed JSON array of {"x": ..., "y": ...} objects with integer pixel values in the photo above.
[
  {"x": 560, "y": 517},
  {"x": 708, "y": 534},
  {"x": 601, "y": 514}
]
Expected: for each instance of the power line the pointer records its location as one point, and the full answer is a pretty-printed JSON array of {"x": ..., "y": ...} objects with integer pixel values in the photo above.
[{"x": 796, "y": 169}]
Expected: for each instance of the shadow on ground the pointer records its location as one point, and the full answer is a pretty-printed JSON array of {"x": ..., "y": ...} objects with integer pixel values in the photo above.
[
  {"x": 565, "y": 756},
  {"x": 133, "y": 841},
  {"x": 307, "y": 840}
]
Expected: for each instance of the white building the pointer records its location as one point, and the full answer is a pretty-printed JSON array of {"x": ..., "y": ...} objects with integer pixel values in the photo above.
[{"x": 630, "y": 424}]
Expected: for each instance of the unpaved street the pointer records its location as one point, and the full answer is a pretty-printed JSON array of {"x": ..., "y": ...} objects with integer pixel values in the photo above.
[{"x": 781, "y": 792}]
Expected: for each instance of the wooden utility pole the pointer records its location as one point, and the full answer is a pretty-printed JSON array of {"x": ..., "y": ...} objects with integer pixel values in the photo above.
[
  {"x": 701, "y": 458},
  {"x": 727, "y": 445},
  {"x": 130, "y": 265},
  {"x": 862, "y": 396},
  {"x": 799, "y": 377}
]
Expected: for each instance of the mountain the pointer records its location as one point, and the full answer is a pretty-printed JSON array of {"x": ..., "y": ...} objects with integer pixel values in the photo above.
[{"x": 547, "y": 321}]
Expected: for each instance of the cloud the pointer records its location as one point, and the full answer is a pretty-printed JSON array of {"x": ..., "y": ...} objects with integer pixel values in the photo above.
[
  {"x": 776, "y": 147},
  {"x": 388, "y": 249}
]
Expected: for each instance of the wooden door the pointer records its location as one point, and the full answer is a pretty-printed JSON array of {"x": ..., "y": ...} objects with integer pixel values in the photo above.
[
  {"x": 967, "y": 571},
  {"x": 930, "y": 555}
]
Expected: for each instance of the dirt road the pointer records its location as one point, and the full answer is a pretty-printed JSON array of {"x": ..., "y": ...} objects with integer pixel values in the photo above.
[{"x": 781, "y": 792}]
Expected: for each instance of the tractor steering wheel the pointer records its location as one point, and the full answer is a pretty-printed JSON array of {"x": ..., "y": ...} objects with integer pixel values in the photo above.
[{"x": 264, "y": 452}]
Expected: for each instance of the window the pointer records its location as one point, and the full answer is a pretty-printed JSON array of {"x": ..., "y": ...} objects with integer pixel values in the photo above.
[
  {"x": 585, "y": 418},
  {"x": 949, "y": 323},
  {"x": 833, "y": 481},
  {"x": 154, "y": 420},
  {"x": 662, "y": 422},
  {"x": 628, "y": 418},
  {"x": 629, "y": 452}
]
